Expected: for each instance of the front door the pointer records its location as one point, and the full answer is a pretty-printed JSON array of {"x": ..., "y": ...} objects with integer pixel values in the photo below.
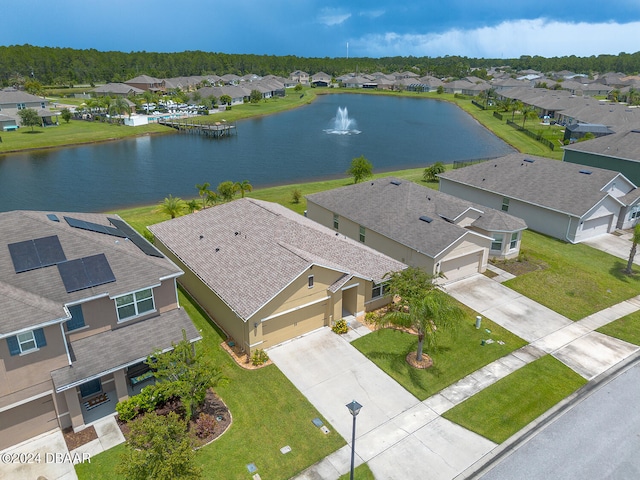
[{"x": 90, "y": 388}]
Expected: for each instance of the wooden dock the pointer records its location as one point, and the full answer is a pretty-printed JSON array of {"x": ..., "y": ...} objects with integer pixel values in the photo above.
[{"x": 212, "y": 130}]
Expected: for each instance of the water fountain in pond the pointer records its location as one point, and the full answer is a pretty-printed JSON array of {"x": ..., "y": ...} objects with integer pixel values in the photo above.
[{"x": 342, "y": 124}]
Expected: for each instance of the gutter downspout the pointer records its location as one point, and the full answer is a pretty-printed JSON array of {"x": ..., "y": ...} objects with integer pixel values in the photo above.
[{"x": 566, "y": 235}]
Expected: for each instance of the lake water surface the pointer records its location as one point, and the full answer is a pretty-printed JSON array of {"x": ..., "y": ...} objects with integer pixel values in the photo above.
[{"x": 288, "y": 147}]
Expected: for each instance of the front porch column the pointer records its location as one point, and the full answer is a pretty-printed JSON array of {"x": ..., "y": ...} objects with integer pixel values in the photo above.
[
  {"x": 75, "y": 412},
  {"x": 121, "y": 385}
]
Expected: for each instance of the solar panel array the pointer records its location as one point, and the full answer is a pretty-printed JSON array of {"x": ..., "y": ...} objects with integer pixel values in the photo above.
[
  {"x": 36, "y": 253},
  {"x": 85, "y": 272},
  {"x": 94, "y": 227},
  {"x": 136, "y": 238}
]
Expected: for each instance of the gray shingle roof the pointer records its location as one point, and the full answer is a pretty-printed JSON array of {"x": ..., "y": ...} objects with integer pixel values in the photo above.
[
  {"x": 394, "y": 210},
  {"x": 124, "y": 346},
  {"x": 36, "y": 296},
  {"x": 549, "y": 183},
  {"x": 249, "y": 250},
  {"x": 625, "y": 144}
]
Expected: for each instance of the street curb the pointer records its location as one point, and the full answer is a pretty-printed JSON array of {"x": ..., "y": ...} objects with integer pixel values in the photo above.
[{"x": 513, "y": 443}]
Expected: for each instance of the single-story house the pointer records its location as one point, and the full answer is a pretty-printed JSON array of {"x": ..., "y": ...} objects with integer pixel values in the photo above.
[
  {"x": 619, "y": 151},
  {"x": 85, "y": 299},
  {"x": 8, "y": 123},
  {"x": 578, "y": 130},
  {"x": 321, "y": 79},
  {"x": 561, "y": 199},
  {"x": 419, "y": 226},
  {"x": 116, "y": 90},
  {"x": 266, "y": 274}
]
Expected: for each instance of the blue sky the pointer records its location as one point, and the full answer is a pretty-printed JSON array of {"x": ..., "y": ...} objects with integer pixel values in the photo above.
[{"x": 310, "y": 28}]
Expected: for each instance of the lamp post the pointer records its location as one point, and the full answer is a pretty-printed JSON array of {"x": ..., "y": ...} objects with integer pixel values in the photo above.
[{"x": 354, "y": 408}]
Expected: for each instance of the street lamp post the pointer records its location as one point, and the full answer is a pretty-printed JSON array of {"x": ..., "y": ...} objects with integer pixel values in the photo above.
[{"x": 354, "y": 408}]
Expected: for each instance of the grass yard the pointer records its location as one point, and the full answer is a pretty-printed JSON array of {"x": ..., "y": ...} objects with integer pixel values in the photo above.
[
  {"x": 359, "y": 473},
  {"x": 626, "y": 328},
  {"x": 75, "y": 132},
  {"x": 578, "y": 280},
  {"x": 268, "y": 413},
  {"x": 454, "y": 358},
  {"x": 507, "y": 406}
]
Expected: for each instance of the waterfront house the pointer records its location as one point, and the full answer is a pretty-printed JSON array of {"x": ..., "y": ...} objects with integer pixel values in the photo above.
[
  {"x": 84, "y": 300},
  {"x": 266, "y": 274},
  {"x": 419, "y": 226}
]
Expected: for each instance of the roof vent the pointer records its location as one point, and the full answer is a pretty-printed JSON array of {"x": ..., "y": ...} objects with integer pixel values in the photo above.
[
  {"x": 217, "y": 249},
  {"x": 237, "y": 233},
  {"x": 201, "y": 237},
  {"x": 528, "y": 160},
  {"x": 424, "y": 218},
  {"x": 586, "y": 172},
  {"x": 395, "y": 182}
]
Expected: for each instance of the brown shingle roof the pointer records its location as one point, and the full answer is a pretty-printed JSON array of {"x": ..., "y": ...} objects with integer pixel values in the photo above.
[{"x": 248, "y": 250}]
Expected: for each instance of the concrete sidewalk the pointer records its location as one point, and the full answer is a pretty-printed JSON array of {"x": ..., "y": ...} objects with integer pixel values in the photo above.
[{"x": 398, "y": 442}]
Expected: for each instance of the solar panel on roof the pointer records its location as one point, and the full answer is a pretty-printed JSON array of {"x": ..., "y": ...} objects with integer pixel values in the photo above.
[
  {"x": 395, "y": 182},
  {"x": 136, "y": 238},
  {"x": 53, "y": 217},
  {"x": 424, "y": 218},
  {"x": 37, "y": 253},
  {"x": 85, "y": 272},
  {"x": 94, "y": 227}
]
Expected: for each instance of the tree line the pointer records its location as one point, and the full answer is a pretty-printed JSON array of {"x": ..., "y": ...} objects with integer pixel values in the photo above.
[{"x": 58, "y": 66}]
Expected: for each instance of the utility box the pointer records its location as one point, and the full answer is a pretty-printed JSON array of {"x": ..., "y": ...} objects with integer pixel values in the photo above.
[{"x": 478, "y": 321}]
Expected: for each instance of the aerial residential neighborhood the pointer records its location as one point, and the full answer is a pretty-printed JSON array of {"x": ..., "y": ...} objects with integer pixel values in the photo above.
[{"x": 327, "y": 241}]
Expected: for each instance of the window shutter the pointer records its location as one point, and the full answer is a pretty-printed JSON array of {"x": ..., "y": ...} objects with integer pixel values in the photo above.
[
  {"x": 77, "y": 318},
  {"x": 39, "y": 336},
  {"x": 14, "y": 348}
]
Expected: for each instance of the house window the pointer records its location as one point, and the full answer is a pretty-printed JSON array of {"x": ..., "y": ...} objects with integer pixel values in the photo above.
[
  {"x": 26, "y": 342},
  {"x": 310, "y": 281},
  {"x": 21, "y": 106},
  {"x": 379, "y": 289},
  {"x": 134, "y": 304},
  {"x": 77, "y": 318},
  {"x": 43, "y": 105},
  {"x": 336, "y": 221},
  {"x": 362, "y": 233},
  {"x": 514, "y": 240},
  {"x": 497, "y": 242},
  {"x": 505, "y": 204},
  {"x": 634, "y": 213}
]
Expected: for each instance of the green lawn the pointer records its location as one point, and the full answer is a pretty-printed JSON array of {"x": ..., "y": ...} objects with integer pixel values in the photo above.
[
  {"x": 454, "y": 358},
  {"x": 625, "y": 328},
  {"x": 268, "y": 413},
  {"x": 578, "y": 280},
  {"x": 359, "y": 473},
  {"x": 507, "y": 406}
]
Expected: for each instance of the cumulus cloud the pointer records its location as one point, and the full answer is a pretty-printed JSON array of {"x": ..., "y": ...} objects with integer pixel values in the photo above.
[
  {"x": 332, "y": 16},
  {"x": 509, "y": 39}
]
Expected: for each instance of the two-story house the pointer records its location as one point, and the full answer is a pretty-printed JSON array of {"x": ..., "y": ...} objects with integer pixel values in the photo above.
[
  {"x": 84, "y": 300},
  {"x": 12, "y": 101}
]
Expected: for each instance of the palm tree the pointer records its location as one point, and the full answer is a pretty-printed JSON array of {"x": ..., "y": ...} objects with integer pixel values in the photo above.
[
  {"x": 528, "y": 112},
  {"x": 635, "y": 240},
  {"x": 227, "y": 190},
  {"x": 244, "y": 186},
  {"x": 427, "y": 315},
  {"x": 172, "y": 206},
  {"x": 203, "y": 191},
  {"x": 517, "y": 105},
  {"x": 192, "y": 205}
]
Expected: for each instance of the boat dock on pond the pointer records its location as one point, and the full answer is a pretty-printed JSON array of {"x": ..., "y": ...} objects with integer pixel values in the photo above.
[{"x": 213, "y": 130}]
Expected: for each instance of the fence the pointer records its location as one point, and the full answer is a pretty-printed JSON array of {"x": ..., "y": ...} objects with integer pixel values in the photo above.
[
  {"x": 497, "y": 115},
  {"x": 465, "y": 163},
  {"x": 479, "y": 105},
  {"x": 534, "y": 135}
]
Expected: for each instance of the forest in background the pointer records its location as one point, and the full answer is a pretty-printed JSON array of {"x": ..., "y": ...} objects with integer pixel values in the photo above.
[{"x": 55, "y": 66}]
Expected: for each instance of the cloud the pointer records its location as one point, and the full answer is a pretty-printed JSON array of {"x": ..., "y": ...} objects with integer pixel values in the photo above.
[
  {"x": 332, "y": 16},
  {"x": 509, "y": 39},
  {"x": 372, "y": 13}
]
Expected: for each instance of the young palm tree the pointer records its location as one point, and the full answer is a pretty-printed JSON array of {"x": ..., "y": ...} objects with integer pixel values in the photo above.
[
  {"x": 203, "y": 191},
  {"x": 172, "y": 206},
  {"x": 528, "y": 112},
  {"x": 244, "y": 186},
  {"x": 634, "y": 245},
  {"x": 427, "y": 315}
]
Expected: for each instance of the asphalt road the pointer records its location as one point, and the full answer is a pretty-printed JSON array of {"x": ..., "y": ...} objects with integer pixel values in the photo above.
[{"x": 598, "y": 438}]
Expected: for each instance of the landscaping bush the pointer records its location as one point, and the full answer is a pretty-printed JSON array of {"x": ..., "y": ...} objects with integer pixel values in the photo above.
[
  {"x": 205, "y": 425},
  {"x": 340, "y": 327},
  {"x": 259, "y": 357},
  {"x": 296, "y": 195}
]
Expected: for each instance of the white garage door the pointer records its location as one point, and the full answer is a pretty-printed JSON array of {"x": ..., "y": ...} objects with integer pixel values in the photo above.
[
  {"x": 291, "y": 325},
  {"x": 596, "y": 226},
  {"x": 461, "y": 266}
]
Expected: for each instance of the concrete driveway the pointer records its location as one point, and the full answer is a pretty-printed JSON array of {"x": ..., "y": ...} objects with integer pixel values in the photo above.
[
  {"x": 618, "y": 245},
  {"x": 508, "y": 308},
  {"x": 396, "y": 434}
]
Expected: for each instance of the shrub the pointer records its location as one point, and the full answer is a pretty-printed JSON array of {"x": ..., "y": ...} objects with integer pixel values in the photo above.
[
  {"x": 340, "y": 327},
  {"x": 205, "y": 425},
  {"x": 259, "y": 357},
  {"x": 147, "y": 400},
  {"x": 296, "y": 195}
]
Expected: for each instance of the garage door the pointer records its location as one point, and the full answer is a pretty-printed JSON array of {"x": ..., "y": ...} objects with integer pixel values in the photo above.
[
  {"x": 26, "y": 421},
  {"x": 293, "y": 324},
  {"x": 461, "y": 266},
  {"x": 596, "y": 226}
]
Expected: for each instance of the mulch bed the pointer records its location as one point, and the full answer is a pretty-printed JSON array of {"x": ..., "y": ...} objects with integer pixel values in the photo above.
[
  {"x": 213, "y": 406},
  {"x": 75, "y": 440},
  {"x": 241, "y": 358},
  {"x": 423, "y": 364}
]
